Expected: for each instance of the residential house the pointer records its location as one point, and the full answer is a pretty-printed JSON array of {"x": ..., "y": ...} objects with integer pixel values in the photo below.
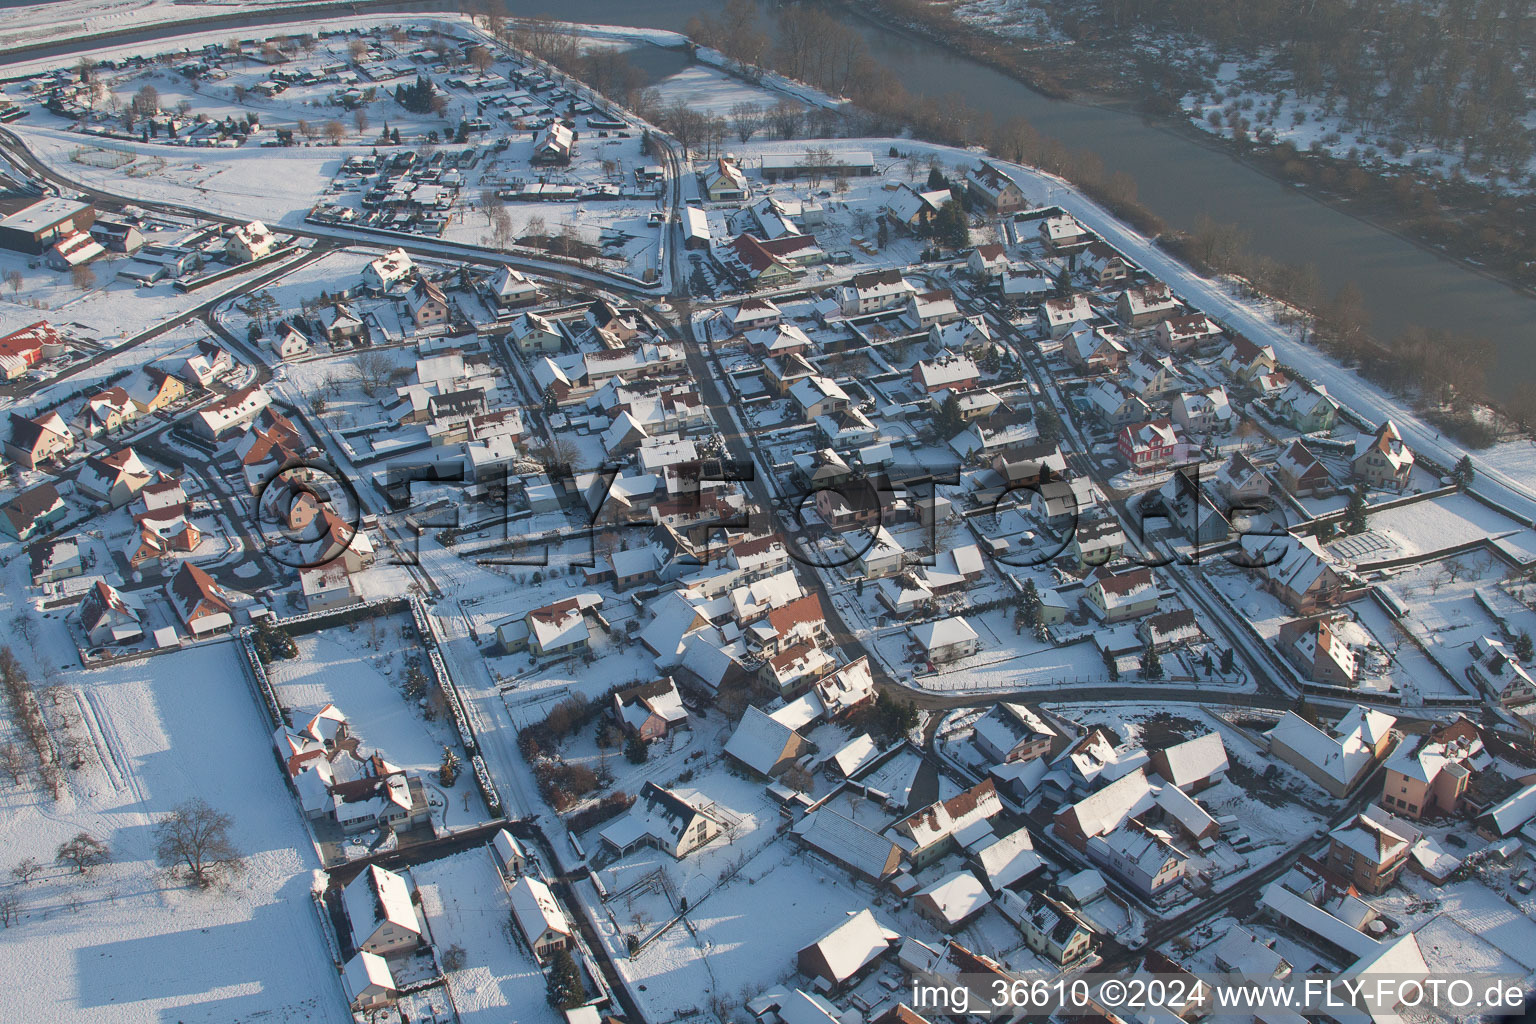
[
  {"x": 1011, "y": 732},
  {"x": 1093, "y": 350},
  {"x": 1176, "y": 627},
  {"x": 910, "y": 210},
  {"x": 1337, "y": 758},
  {"x": 326, "y": 586},
  {"x": 427, "y": 304},
  {"x": 764, "y": 744},
  {"x": 819, "y": 396},
  {"x": 338, "y": 323},
  {"x": 1190, "y": 509},
  {"x": 249, "y": 242},
  {"x": 1316, "y": 646},
  {"x": 1114, "y": 405},
  {"x": 666, "y": 820},
  {"x": 1302, "y": 473},
  {"x": 542, "y": 924},
  {"x": 210, "y": 362},
  {"x": 32, "y": 513},
  {"x": 650, "y": 710},
  {"x": 383, "y": 273},
  {"x": 202, "y": 605},
  {"x": 115, "y": 479},
  {"x": 381, "y": 912},
  {"x": 1296, "y": 570},
  {"x": 156, "y": 389},
  {"x": 875, "y": 291},
  {"x": 848, "y": 844},
  {"x": 1049, "y": 927},
  {"x": 1180, "y": 334},
  {"x": 1143, "y": 306},
  {"x": 1103, "y": 265},
  {"x": 724, "y": 182},
  {"x": 994, "y": 188},
  {"x": 1367, "y": 852},
  {"x": 1307, "y": 407},
  {"x": 289, "y": 342},
  {"x": 1495, "y": 670},
  {"x": 107, "y": 617},
  {"x": 1247, "y": 361},
  {"x": 1204, "y": 413},
  {"x": 231, "y": 414},
  {"x": 1061, "y": 232},
  {"x": 1192, "y": 765},
  {"x": 368, "y": 981},
  {"x": 105, "y": 412},
  {"x": 1152, "y": 375},
  {"x": 987, "y": 261},
  {"x": 1118, "y": 596},
  {"x": 25, "y": 348},
  {"x": 1383, "y": 460},
  {"x": 54, "y": 560},
  {"x": 946, "y": 640},
  {"x": 946, "y": 371},
  {"x": 945, "y": 824},
  {"x": 930, "y": 309},
  {"x": 39, "y": 439},
  {"x": 1149, "y": 446},
  {"x": 509, "y": 289},
  {"x": 1240, "y": 484},
  {"x": 1427, "y": 776},
  {"x": 534, "y": 332},
  {"x": 1097, "y": 542},
  {"x": 1058, "y": 316},
  {"x": 848, "y": 952},
  {"x": 952, "y": 901},
  {"x": 553, "y": 145}
]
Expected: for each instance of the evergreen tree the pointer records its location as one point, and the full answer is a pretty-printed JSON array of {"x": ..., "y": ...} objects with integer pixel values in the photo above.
[
  {"x": 1112, "y": 666},
  {"x": 948, "y": 420},
  {"x": 1355, "y": 514},
  {"x": 1464, "y": 474},
  {"x": 936, "y": 180},
  {"x": 563, "y": 987},
  {"x": 1151, "y": 664},
  {"x": 635, "y": 750},
  {"x": 951, "y": 227},
  {"x": 883, "y": 233},
  {"x": 1523, "y": 646},
  {"x": 1029, "y": 603},
  {"x": 1228, "y": 661},
  {"x": 448, "y": 770}
]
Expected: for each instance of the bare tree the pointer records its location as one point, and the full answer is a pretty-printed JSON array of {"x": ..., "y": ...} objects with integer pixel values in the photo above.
[
  {"x": 13, "y": 761},
  {"x": 335, "y": 131},
  {"x": 83, "y": 852},
  {"x": 373, "y": 369},
  {"x": 10, "y": 907},
  {"x": 26, "y": 869},
  {"x": 481, "y": 59},
  {"x": 83, "y": 277},
  {"x": 360, "y": 118},
  {"x": 785, "y": 118},
  {"x": 194, "y": 840},
  {"x": 14, "y": 278},
  {"x": 746, "y": 120},
  {"x": 357, "y": 50}
]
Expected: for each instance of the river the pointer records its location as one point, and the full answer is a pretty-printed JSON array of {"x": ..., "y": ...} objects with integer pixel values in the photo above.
[{"x": 1180, "y": 176}]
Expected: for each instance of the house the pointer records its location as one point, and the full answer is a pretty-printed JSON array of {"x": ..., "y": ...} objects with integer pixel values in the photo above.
[
  {"x": 946, "y": 640},
  {"x": 724, "y": 182},
  {"x": 987, "y": 261},
  {"x": 338, "y": 323},
  {"x": 666, "y": 820},
  {"x": 1307, "y": 407},
  {"x": 55, "y": 560},
  {"x": 819, "y": 396},
  {"x": 534, "y": 332},
  {"x": 156, "y": 389},
  {"x": 1097, "y": 542},
  {"x": 1338, "y": 758},
  {"x": 1145, "y": 305},
  {"x": 994, "y": 189},
  {"x": 289, "y": 342},
  {"x": 1126, "y": 827},
  {"x": 427, "y": 304},
  {"x": 514, "y": 860},
  {"x": 1011, "y": 732},
  {"x": 383, "y": 273},
  {"x": 1495, "y": 670},
  {"x": 1296, "y": 570},
  {"x": 1180, "y": 334},
  {"x": 843, "y": 163},
  {"x": 1023, "y": 286},
  {"x": 553, "y": 145},
  {"x": 1302, "y": 473},
  {"x": 952, "y": 901},
  {"x": 1060, "y": 504},
  {"x": 1316, "y": 646},
  {"x": 944, "y": 824},
  {"x": 539, "y": 919},
  {"x": 848, "y": 844},
  {"x": 23, "y": 349},
  {"x": 1192, "y": 765},
  {"x": 559, "y": 629},
  {"x": 1093, "y": 350},
  {"x": 1383, "y": 460},
  {"x": 1204, "y": 413},
  {"x": 1241, "y": 953},
  {"x": 1427, "y": 776},
  {"x": 1118, "y": 596},
  {"x": 1115, "y": 405},
  {"x": 1367, "y": 852},
  {"x": 1007, "y": 861},
  {"x": 202, "y": 605},
  {"x": 1247, "y": 361},
  {"x": 107, "y": 617},
  {"x": 850, "y": 687},
  {"x": 750, "y": 260},
  {"x": 33, "y": 512},
  {"x": 249, "y": 242},
  {"x": 210, "y": 362},
  {"x": 1060, "y": 315},
  {"x": 509, "y": 289},
  {"x": 381, "y": 912},
  {"x": 752, "y": 314},
  {"x": 117, "y": 236},
  {"x": 1152, "y": 375},
  {"x": 39, "y": 439},
  {"x": 368, "y": 981},
  {"x": 1049, "y": 927},
  {"x": 1240, "y": 483},
  {"x": 326, "y": 586},
  {"x": 72, "y": 251},
  {"x": 875, "y": 291},
  {"x": 116, "y": 479},
  {"x": 651, "y": 710},
  {"x": 1509, "y": 815},
  {"x": 232, "y": 413},
  {"x": 1103, "y": 265},
  {"x": 911, "y": 210},
  {"x": 847, "y": 952},
  {"x": 764, "y": 744},
  {"x": 1190, "y": 509},
  {"x": 946, "y": 371},
  {"x": 930, "y": 309},
  {"x": 1149, "y": 446},
  {"x": 1177, "y": 627},
  {"x": 1062, "y": 232},
  {"x": 778, "y": 340}
]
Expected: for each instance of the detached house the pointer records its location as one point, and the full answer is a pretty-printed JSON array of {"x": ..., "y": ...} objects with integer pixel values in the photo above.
[
  {"x": 651, "y": 710},
  {"x": 848, "y": 952},
  {"x": 1149, "y": 446},
  {"x": 1204, "y": 412},
  {"x": 1247, "y": 361},
  {"x": 201, "y": 604},
  {"x": 1307, "y": 407},
  {"x": 1341, "y": 757},
  {"x": 107, "y": 618},
  {"x": 1012, "y": 732},
  {"x": 725, "y": 183},
  {"x": 156, "y": 389},
  {"x": 666, "y": 820},
  {"x": 383, "y": 273},
  {"x": 1049, "y": 927},
  {"x": 1062, "y": 232},
  {"x": 116, "y": 479},
  {"x": 231, "y": 414},
  {"x": 1427, "y": 776},
  {"x": 1146, "y": 305},
  {"x": 1181, "y": 334},
  {"x": 1296, "y": 570},
  {"x": 382, "y": 914},
  {"x": 1117, "y": 596},
  {"x": 32, "y": 512},
  {"x": 991, "y": 186},
  {"x": 1302, "y": 473},
  {"x": 987, "y": 261},
  {"x": 946, "y": 371},
  {"x": 1093, "y": 350},
  {"x": 1316, "y": 646},
  {"x": 539, "y": 919},
  {"x": 106, "y": 411},
  {"x": 1367, "y": 852},
  {"x": 874, "y": 292},
  {"x": 1058, "y": 316},
  {"x": 249, "y": 243},
  {"x": 36, "y": 440},
  {"x": 764, "y": 744},
  {"x": 1496, "y": 671},
  {"x": 427, "y": 304},
  {"x": 1383, "y": 460},
  {"x": 553, "y": 145},
  {"x": 819, "y": 396},
  {"x": 941, "y": 826},
  {"x": 1103, "y": 265}
]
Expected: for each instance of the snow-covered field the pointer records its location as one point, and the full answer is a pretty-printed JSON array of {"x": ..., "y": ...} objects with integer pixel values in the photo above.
[{"x": 126, "y": 944}]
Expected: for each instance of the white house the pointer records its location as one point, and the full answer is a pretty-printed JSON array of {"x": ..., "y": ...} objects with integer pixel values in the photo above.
[
  {"x": 379, "y": 908},
  {"x": 539, "y": 918},
  {"x": 249, "y": 242},
  {"x": 382, "y": 274}
]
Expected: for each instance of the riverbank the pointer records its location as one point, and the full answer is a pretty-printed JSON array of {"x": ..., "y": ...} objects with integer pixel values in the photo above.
[{"x": 1462, "y": 223}]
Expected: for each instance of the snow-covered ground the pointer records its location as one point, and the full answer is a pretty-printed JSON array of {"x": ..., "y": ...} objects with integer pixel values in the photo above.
[{"x": 126, "y": 944}]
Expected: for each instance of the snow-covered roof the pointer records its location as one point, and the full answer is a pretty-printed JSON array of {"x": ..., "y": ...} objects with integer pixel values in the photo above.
[
  {"x": 852, "y": 945},
  {"x": 1343, "y": 752},
  {"x": 758, "y": 741},
  {"x": 846, "y": 841},
  {"x": 1008, "y": 859},
  {"x": 956, "y": 897},
  {"x": 943, "y": 633},
  {"x": 535, "y": 908},
  {"x": 376, "y": 896},
  {"x": 1195, "y": 760}
]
